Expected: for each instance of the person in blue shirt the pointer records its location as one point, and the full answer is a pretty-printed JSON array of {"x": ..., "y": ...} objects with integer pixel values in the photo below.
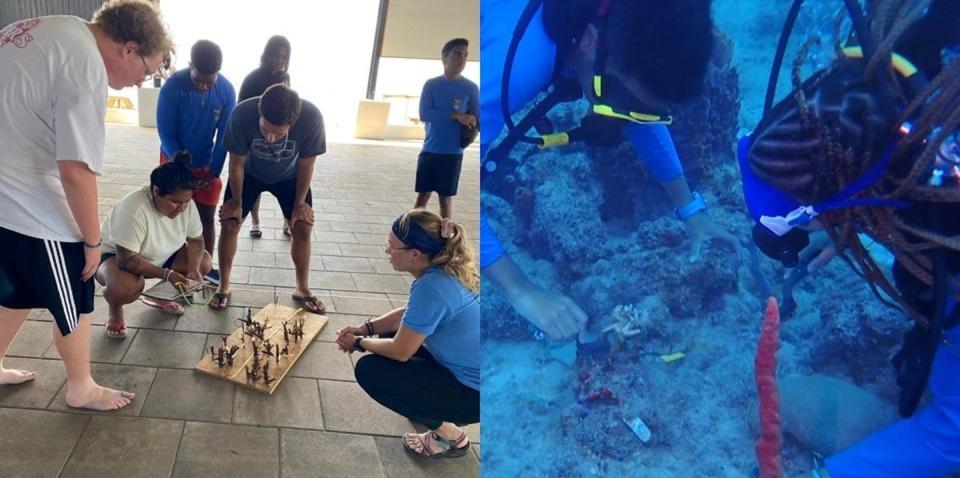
[
  {"x": 447, "y": 104},
  {"x": 874, "y": 153},
  {"x": 192, "y": 112},
  {"x": 428, "y": 369},
  {"x": 629, "y": 45}
]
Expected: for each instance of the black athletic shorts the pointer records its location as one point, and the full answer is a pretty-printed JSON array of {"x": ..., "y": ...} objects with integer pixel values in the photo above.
[
  {"x": 285, "y": 192},
  {"x": 43, "y": 274},
  {"x": 438, "y": 172}
]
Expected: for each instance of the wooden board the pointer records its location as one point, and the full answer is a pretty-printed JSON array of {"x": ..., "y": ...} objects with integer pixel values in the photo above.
[{"x": 274, "y": 316}]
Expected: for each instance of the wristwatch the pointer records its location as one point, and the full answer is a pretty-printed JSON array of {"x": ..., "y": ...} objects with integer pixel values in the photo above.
[
  {"x": 357, "y": 346},
  {"x": 688, "y": 210}
]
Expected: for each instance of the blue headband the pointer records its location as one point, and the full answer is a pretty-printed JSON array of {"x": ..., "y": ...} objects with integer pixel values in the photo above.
[
  {"x": 417, "y": 238},
  {"x": 780, "y": 213}
]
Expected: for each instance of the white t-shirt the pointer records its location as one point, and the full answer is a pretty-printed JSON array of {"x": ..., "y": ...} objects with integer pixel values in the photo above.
[
  {"x": 53, "y": 99},
  {"x": 135, "y": 225}
]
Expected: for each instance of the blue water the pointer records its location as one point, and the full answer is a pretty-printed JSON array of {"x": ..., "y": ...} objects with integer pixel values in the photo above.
[{"x": 595, "y": 226}]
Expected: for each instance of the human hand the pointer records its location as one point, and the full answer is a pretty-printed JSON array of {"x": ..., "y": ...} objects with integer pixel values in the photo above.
[
  {"x": 552, "y": 312},
  {"x": 231, "y": 210},
  {"x": 177, "y": 278},
  {"x": 195, "y": 276},
  {"x": 446, "y": 228},
  {"x": 702, "y": 228},
  {"x": 345, "y": 342},
  {"x": 302, "y": 212},
  {"x": 824, "y": 249},
  {"x": 464, "y": 119},
  {"x": 91, "y": 256}
]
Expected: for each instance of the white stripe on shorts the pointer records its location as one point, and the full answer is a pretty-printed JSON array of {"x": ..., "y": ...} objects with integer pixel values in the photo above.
[{"x": 61, "y": 275}]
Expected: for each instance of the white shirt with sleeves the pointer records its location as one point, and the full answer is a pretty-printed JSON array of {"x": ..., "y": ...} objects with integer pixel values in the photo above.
[
  {"x": 53, "y": 96},
  {"x": 135, "y": 225}
]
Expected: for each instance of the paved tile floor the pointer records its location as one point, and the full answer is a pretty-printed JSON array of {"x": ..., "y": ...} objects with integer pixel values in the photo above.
[{"x": 318, "y": 423}]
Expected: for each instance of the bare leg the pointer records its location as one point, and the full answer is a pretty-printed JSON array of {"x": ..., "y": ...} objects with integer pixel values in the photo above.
[
  {"x": 300, "y": 253},
  {"x": 228, "y": 249},
  {"x": 422, "y": 200},
  {"x": 82, "y": 391},
  {"x": 122, "y": 288},
  {"x": 207, "y": 214},
  {"x": 10, "y": 322},
  {"x": 254, "y": 213},
  {"x": 446, "y": 206}
]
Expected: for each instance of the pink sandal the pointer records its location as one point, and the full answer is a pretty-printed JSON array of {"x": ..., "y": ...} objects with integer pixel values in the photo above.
[
  {"x": 115, "y": 331},
  {"x": 166, "y": 306}
]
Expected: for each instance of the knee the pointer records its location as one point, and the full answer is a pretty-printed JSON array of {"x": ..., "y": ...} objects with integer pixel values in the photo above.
[
  {"x": 367, "y": 371},
  {"x": 301, "y": 231},
  {"x": 230, "y": 228},
  {"x": 123, "y": 288},
  {"x": 206, "y": 262}
]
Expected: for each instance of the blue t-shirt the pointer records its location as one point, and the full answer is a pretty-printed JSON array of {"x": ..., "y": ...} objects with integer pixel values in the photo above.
[
  {"x": 532, "y": 72},
  {"x": 188, "y": 119},
  {"x": 439, "y": 98},
  {"x": 448, "y": 314}
]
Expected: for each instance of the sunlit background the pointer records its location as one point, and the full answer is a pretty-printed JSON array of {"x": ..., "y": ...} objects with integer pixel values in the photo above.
[{"x": 332, "y": 49}]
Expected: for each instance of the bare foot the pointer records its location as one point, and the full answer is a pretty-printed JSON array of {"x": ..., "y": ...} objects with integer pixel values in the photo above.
[
  {"x": 9, "y": 376},
  {"x": 99, "y": 398}
]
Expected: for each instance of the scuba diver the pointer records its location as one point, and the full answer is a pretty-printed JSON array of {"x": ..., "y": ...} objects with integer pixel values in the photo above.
[
  {"x": 625, "y": 57},
  {"x": 869, "y": 146}
]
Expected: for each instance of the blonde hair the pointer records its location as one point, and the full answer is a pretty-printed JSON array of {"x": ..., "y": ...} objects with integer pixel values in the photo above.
[
  {"x": 138, "y": 21},
  {"x": 457, "y": 258}
]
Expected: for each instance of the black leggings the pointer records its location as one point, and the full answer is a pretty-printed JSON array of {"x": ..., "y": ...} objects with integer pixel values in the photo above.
[{"x": 420, "y": 389}]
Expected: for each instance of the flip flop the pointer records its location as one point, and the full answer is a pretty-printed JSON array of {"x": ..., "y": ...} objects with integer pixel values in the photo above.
[
  {"x": 311, "y": 303},
  {"x": 449, "y": 447},
  {"x": 255, "y": 231},
  {"x": 221, "y": 300},
  {"x": 115, "y": 331},
  {"x": 286, "y": 231},
  {"x": 166, "y": 306}
]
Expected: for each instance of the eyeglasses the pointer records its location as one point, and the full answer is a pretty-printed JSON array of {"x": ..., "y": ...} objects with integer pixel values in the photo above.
[{"x": 147, "y": 74}]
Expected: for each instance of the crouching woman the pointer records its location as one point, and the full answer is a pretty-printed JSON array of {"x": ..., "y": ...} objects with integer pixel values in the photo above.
[
  {"x": 428, "y": 370},
  {"x": 152, "y": 232}
]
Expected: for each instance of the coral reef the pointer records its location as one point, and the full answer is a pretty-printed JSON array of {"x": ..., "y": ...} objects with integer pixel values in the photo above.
[{"x": 705, "y": 128}]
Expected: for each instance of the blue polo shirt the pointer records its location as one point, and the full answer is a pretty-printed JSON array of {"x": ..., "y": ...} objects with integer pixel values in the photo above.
[
  {"x": 190, "y": 120},
  {"x": 448, "y": 314},
  {"x": 440, "y": 98}
]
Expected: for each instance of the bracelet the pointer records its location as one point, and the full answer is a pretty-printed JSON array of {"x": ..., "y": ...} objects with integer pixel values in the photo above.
[
  {"x": 688, "y": 210},
  {"x": 166, "y": 274},
  {"x": 369, "y": 325},
  {"x": 93, "y": 246},
  {"x": 357, "y": 345}
]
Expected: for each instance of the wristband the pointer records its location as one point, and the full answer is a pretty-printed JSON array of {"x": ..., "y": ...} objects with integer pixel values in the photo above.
[
  {"x": 369, "y": 325},
  {"x": 166, "y": 274},
  {"x": 93, "y": 246},
  {"x": 357, "y": 346},
  {"x": 694, "y": 206}
]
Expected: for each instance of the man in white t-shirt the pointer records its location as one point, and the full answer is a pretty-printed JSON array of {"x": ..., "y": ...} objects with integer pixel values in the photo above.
[
  {"x": 53, "y": 92},
  {"x": 153, "y": 232}
]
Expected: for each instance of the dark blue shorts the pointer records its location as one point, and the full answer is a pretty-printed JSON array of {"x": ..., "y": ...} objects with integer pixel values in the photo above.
[{"x": 44, "y": 274}]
